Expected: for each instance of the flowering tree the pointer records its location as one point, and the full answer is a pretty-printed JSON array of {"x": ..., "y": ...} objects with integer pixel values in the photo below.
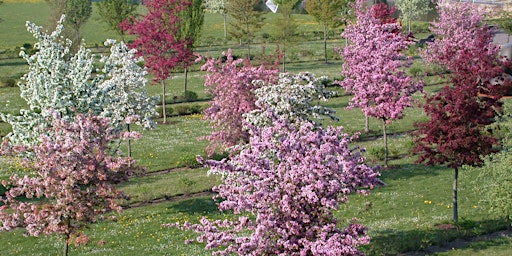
[
  {"x": 292, "y": 99},
  {"x": 285, "y": 186},
  {"x": 456, "y": 134},
  {"x": 373, "y": 68},
  {"x": 412, "y": 9},
  {"x": 231, "y": 85},
  {"x": 73, "y": 181},
  {"x": 159, "y": 39},
  {"x": 220, "y": 7},
  {"x": 63, "y": 82}
]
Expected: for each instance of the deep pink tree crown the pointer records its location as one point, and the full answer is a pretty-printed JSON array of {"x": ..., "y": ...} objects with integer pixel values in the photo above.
[
  {"x": 373, "y": 67},
  {"x": 73, "y": 180},
  {"x": 231, "y": 83},
  {"x": 285, "y": 185},
  {"x": 157, "y": 36}
]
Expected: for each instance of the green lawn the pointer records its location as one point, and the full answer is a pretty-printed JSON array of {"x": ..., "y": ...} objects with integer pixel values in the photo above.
[{"x": 401, "y": 217}]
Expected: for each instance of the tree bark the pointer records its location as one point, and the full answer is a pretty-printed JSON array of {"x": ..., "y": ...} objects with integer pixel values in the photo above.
[
  {"x": 455, "y": 206},
  {"x": 129, "y": 143},
  {"x": 385, "y": 143},
  {"x": 325, "y": 44},
  {"x": 366, "y": 123},
  {"x": 163, "y": 101},
  {"x": 186, "y": 81}
]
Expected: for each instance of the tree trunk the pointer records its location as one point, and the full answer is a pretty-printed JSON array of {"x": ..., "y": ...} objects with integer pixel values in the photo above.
[
  {"x": 325, "y": 44},
  {"x": 66, "y": 245},
  {"x": 225, "y": 28},
  {"x": 366, "y": 124},
  {"x": 284, "y": 56},
  {"x": 385, "y": 143},
  {"x": 186, "y": 81},
  {"x": 163, "y": 101},
  {"x": 129, "y": 143},
  {"x": 455, "y": 206}
]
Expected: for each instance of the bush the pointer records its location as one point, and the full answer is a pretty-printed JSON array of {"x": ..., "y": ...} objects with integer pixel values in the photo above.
[
  {"x": 188, "y": 160},
  {"x": 182, "y": 110},
  {"x": 377, "y": 152},
  {"x": 169, "y": 110},
  {"x": 190, "y": 96},
  {"x": 8, "y": 82}
]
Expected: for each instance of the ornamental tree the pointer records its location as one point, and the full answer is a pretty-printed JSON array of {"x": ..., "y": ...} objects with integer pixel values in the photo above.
[
  {"x": 77, "y": 13},
  {"x": 456, "y": 133},
  {"x": 284, "y": 186},
  {"x": 292, "y": 98},
  {"x": 373, "y": 69},
  {"x": 114, "y": 12},
  {"x": 330, "y": 14},
  {"x": 158, "y": 39},
  {"x": 412, "y": 9},
  {"x": 64, "y": 83},
  {"x": 247, "y": 21},
  {"x": 220, "y": 7},
  {"x": 231, "y": 85},
  {"x": 73, "y": 180}
]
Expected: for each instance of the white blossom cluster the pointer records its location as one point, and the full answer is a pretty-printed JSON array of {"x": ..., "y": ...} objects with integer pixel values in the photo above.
[
  {"x": 295, "y": 97},
  {"x": 65, "y": 83}
]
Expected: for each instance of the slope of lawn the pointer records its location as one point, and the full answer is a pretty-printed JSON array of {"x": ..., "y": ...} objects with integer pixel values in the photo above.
[{"x": 412, "y": 212}]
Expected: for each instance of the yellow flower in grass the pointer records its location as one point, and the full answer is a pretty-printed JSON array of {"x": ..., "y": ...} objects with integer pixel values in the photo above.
[{"x": 427, "y": 202}]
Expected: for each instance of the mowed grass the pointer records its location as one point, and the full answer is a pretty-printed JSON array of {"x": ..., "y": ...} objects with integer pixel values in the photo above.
[{"x": 401, "y": 217}]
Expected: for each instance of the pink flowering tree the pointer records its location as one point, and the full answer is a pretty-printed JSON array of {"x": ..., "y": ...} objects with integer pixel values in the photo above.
[
  {"x": 457, "y": 132},
  {"x": 373, "y": 68},
  {"x": 73, "y": 180},
  {"x": 284, "y": 186},
  {"x": 232, "y": 86},
  {"x": 158, "y": 39}
]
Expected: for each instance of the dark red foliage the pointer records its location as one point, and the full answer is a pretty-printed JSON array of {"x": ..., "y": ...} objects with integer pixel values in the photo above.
[
  {"x": 158, "y": 36},
  {"x": 382, "y": 12}
]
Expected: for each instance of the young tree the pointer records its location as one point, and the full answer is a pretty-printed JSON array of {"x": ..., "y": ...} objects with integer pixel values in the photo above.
[
  {"x": 292, "y": 98},
  {"x": 284, "y": 186},
  {"x": 285, "y": 25},
  {"x": 247, "y": 20},
  {"x": 220, "y": 7},
  {"x": 70, "y": 186},
  {"x": 231, "y": 83},
  {"x": 456, "y": 133},
  {"x": 373, "y": 69},
  {"x": 114, "y": 12},
  {"x": 330, "y": 14},
  {"x": 57, "y": 8},
  {"x": 63, "y": 82},
  {"x": 412, "y": 9},
  {"x": 493, "y": 182},
  {"x": 158, "y": 39},
  {"x": 77, "y": 13},
  {"x": 192, "y": 19}
]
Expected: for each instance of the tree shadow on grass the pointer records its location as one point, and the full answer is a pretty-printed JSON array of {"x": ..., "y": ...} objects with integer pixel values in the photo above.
[
  {"x": 201, "y": 205},
  {"x": 435, "y": 239},
  {"x": 405, "y": 171}
]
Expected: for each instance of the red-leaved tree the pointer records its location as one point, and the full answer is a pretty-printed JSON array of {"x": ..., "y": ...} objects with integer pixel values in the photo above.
[
  {"x": 158, "y": 39},
  {"x": 73, "y": 180},
  {"x": 284, "y": 186},
  {"x": 230, "y": 82},
  {"x": 456, "y": 133},
  {"x": 373, "y": 68}
]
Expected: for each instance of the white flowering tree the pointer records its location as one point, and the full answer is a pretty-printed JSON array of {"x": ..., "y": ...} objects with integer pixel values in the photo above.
[
  {"x": 65, "y": 83},
  {"x": 292, "y": 98}
]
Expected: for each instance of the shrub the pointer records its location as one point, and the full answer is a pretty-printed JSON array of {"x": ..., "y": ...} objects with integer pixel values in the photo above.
[
  {"x": 8, "y": 82},
  {"x": 168, "y": 111},
  {"x": 377, "y": 152},
  {"x": 188, "y": 160},
  {"x": 190, "y": 96}
]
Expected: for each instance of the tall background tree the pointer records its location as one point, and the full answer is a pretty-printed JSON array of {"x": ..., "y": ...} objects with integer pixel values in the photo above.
[
  {"x": 57, "y": 8},
  {"x": 412, "y": 10},
  {"x": 77, "y": 13},
  {"x": 158, "y": 39},
  {"x": 114, "y": 12},
  {"x": 246, "y": 21},
  {"x": 191, "y": 19},
  {"x": 286, "y": 26},
  {"x": 456, "y": 133},
  {"x": 373, "y": 69},
  {"x": 330, "y": 14},
  {"x": 220, "y": 7}
]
